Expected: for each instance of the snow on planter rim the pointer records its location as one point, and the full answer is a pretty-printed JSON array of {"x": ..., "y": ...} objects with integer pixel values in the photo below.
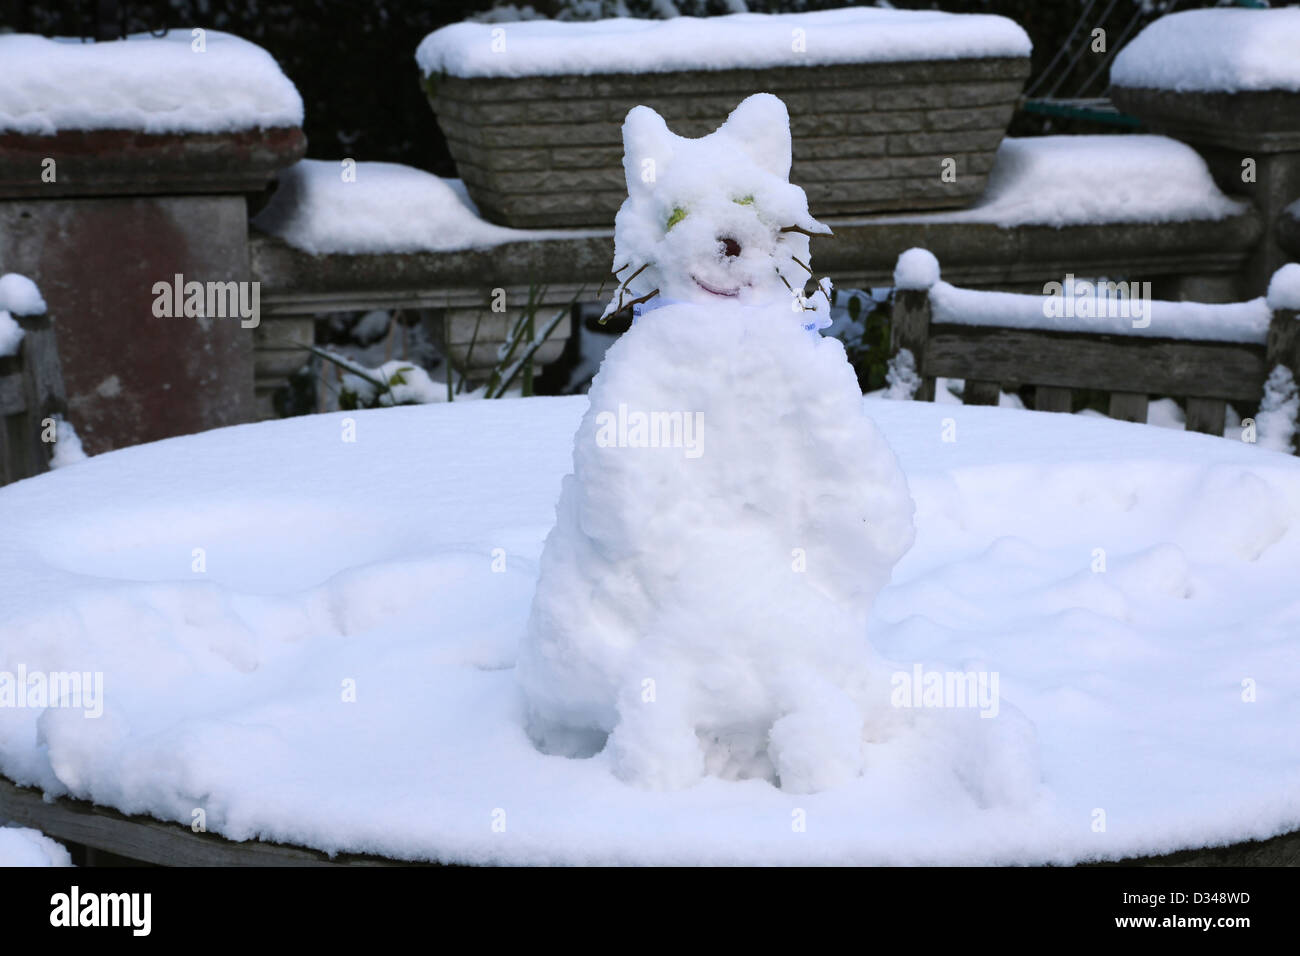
[
  {"x": 1214, "y": 51},
  {"x": 371, "y": 561},
  {"x": 146, "y": 83},
  {"x": 736, "y": 41}
]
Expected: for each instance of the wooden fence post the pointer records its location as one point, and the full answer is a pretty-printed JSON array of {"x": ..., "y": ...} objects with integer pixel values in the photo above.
[
  {"x": 31, "y": 392},
  {"x": 910, "y": 329}
]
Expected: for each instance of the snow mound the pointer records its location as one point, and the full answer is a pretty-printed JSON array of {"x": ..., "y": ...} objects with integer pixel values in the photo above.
[
  {"x": 738, "y": 41},
  {"x": 152, "y": 84},
  {"x": 1081, "y": 180},
  {"x": 1284, "y": 288},
  {"x": 67, "y": 444},
  {"x": 324, "y": 206},
  {"x": 20, "y": 846},
  {"x": 1213, "y": 51},
  {"x": 916, "y": 269}
]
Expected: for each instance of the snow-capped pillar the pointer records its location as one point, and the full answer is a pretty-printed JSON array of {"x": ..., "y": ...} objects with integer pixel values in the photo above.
[
  {"x": 917, "y": 270},
  {"x": 123, "y": 194},
  {"x": 31, "y": 383}
]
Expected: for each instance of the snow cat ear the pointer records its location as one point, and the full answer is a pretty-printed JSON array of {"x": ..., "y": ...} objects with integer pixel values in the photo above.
[
  {"x": 762, "y": 127},
  {"x": 647, "y": 148}
]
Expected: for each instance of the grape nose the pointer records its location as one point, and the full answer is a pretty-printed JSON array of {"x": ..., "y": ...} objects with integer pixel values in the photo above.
[{"x": 730, "y": 247}]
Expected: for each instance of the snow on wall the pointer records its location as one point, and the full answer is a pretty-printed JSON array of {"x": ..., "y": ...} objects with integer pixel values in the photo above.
[
  {"x": 1214, "y": 51},
  {"x": 738, "y": 41},
  {"x": 1088, "y": 180},
  {"x": 152, "y": 84},
  {"x": 386, "y": 208}
]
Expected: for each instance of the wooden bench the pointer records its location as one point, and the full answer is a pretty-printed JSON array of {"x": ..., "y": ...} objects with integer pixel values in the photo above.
[{"x": 991, "y": 353}]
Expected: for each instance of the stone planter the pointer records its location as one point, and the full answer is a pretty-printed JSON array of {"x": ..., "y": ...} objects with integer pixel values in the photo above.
[
  {"x": 869, "y": 137},
  {"x": 878, "y": 100}
]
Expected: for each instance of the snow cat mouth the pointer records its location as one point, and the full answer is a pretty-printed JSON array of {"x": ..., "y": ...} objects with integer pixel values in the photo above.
[{"x": 725, "y": 293}]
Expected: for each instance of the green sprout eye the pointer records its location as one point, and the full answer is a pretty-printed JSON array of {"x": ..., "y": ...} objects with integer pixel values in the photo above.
[
  {"x": 678, "y": 215},
  {"x": 745, "y": 201}
]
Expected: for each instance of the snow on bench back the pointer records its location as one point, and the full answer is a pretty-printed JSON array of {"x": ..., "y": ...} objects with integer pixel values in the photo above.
[
  {"x": 738, "y": 41},
  {"x": 169, "y": 84},
  {"x": 1092, "y": 306},
  {"x": 1214, "y": 51},
  {"x": 1087, "y": 180}
]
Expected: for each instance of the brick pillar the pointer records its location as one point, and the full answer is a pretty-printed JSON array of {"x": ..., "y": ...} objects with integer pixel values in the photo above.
[{"x": 124, "y": 212}]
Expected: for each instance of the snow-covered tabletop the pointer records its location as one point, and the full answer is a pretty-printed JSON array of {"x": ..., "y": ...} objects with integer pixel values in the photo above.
[
  {"x": 183, "y": 82},
  {"x": 338, "y": 672},
  {"x": 23, "y": 847},
  {"x": 1214, "y": 51},
  {"x": 738, "y": 41}
]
